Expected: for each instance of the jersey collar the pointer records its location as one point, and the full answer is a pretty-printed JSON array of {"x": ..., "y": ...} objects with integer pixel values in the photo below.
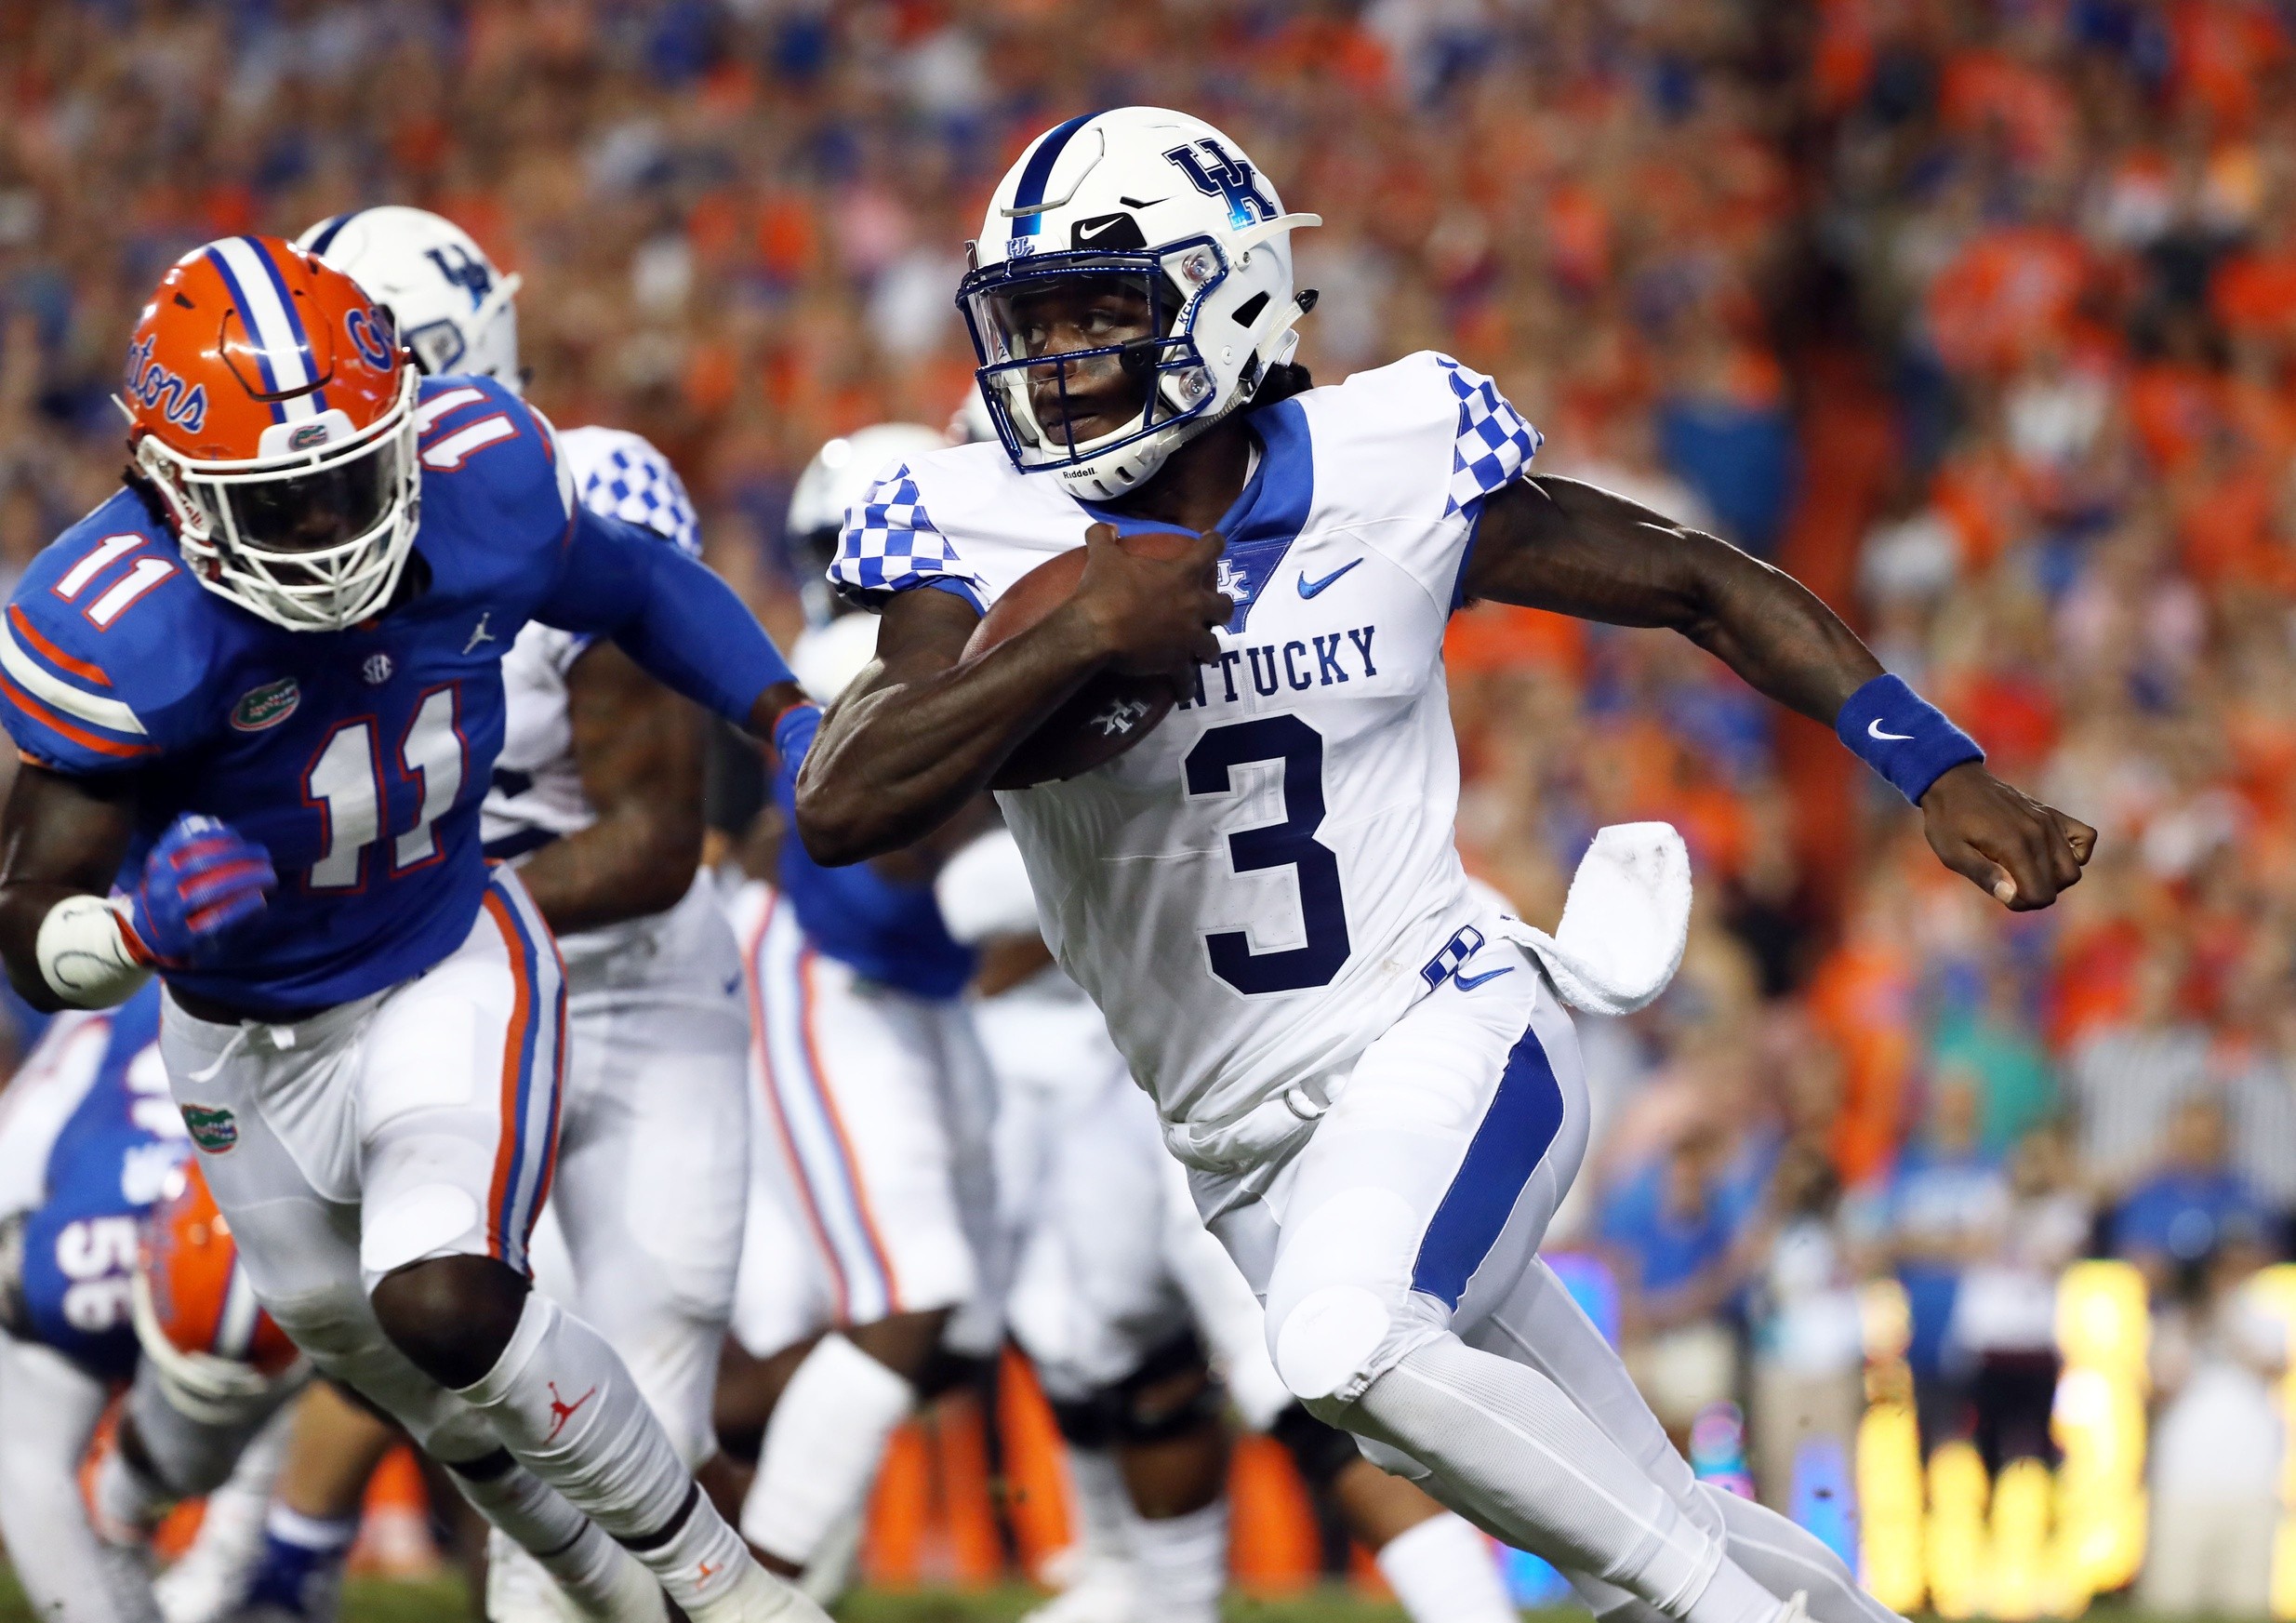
[{"x": 1266, "y": 517}]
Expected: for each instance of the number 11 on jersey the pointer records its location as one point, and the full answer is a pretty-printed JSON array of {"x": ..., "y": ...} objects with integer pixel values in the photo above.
[{"x": 345, "y": 784}]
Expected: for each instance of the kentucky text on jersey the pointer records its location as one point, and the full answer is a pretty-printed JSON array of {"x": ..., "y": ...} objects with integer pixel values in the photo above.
[
  {"x": 1251, "y": 892},
  {"x": 1321, "y": 660},
  {"x": 358, "y": 758}
]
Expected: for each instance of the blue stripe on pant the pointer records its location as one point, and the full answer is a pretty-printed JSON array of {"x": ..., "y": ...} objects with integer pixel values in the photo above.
[{"x": 1516, "y": 1132}]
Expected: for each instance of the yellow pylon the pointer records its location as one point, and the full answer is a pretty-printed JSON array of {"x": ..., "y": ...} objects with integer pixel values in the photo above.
[
  {"x": 2019, "y": 1578},
  {"x": 1956, "y": 1532},
  {"x": 2274, "y": 1291},
  {"x": 2103, "y": 1331},
  {"x": 1889, "y": 1499},
  {"x": 1889, "y": 1454}
]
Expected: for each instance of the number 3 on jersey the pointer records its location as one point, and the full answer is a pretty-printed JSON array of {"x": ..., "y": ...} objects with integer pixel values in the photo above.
[
  {"x": 1289, "y": 844},
  {"x": 345, "y": 783}
]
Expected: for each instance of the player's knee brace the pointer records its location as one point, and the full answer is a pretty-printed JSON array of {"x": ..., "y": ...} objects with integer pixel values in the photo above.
[
  {"x": 1171, "y": 1394},
  {"x": 1319, "y": 1450},
  {"x": 1334, "y": 1320}
]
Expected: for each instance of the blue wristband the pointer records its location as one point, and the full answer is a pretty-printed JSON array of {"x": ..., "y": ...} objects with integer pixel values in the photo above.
[
  {"x": 793, "y": 735},
  {"x": 1903, "y": 736}
]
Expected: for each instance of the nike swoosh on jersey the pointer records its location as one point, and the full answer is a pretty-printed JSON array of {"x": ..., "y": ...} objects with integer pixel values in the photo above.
[
  {"x": 1469, "y": 982},
  {"x": 1311, "y": 588},
  {"x": 1873, "y": 730}
]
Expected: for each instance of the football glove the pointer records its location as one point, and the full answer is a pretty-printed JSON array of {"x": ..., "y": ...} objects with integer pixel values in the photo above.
[{"x": 200, "y": 881}]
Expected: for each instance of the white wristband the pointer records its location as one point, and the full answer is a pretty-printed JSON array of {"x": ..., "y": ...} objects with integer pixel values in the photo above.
[{"x": 83, "y": 956}]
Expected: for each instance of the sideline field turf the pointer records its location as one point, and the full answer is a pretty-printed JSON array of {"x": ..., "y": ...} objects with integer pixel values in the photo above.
[
  {"x": 445, "y": 1602},
  {"x": 370, "y": 1602}
]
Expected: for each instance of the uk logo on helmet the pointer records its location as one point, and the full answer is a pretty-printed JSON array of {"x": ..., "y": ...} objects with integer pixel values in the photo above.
[
  {"x": 1220, "y": 173},
  {"x": 464, "y": 272}
]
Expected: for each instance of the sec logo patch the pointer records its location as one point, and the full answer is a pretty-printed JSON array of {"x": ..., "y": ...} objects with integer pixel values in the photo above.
[
  {"x": 266, "y": 706},
  {"x": 377, "y": 670}
]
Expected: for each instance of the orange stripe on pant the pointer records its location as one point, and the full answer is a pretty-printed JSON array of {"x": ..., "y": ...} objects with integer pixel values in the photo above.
[
  {"x": 521, "y": 1014},
  {"x": 761, "y": 1046},
  {"x": 806, "y": 1001}
]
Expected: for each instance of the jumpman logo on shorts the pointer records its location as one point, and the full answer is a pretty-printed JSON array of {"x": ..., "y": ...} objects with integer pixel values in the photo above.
[{"x": 562, "y": 1411}]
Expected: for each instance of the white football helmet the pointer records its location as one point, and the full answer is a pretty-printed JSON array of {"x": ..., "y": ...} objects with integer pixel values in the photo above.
[
  {"x": 455, "y": 310},
  {"x": 1164, "y": 210},
  {"x": 839, "y": 475}
]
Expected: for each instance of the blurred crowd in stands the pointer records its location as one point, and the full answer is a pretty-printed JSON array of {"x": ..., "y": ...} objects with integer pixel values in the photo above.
[{"x": 1979, "y": 314}]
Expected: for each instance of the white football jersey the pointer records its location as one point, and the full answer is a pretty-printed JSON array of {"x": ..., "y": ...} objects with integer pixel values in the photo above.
[
  {"x": 1269, "y": 879},
  {"x": 537, "y": 792}
]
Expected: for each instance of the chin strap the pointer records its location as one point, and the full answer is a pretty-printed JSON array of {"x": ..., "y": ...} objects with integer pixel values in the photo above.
[{"x": 1281, "y": 343}]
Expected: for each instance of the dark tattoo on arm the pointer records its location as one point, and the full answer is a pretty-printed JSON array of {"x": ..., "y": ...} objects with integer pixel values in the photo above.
[{"x": 639, "y": 748}]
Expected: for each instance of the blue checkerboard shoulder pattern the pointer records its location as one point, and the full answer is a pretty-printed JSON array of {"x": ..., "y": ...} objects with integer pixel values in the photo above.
[
  {"x": 621, "y": 475},
  {"x": 890, "y": 544},
  {"x": 1496, "y": 443}
]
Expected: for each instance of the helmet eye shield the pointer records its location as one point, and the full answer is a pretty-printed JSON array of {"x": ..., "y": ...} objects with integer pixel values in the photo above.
[
  {"x": 326, "y": 507},
  {"x": 1080, "y": 351}
]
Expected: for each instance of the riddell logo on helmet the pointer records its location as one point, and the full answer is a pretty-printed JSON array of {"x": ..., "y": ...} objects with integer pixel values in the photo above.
[{"x": 155, "y": 388}]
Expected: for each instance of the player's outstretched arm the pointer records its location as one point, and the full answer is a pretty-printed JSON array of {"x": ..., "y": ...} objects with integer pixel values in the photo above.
[
  {"x": 638, "y": 749},
  {"x": 682, "y": 625},
  {"x": 922, "y": 730},
  {"x": 1557, "y": 544}
]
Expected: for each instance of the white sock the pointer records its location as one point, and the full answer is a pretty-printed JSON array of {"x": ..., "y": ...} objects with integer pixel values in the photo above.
[
  {"x": 591, "y": 1568},
  {"x": 128, "y": 1504},
  {"x": 1183, "y": 1562},
  {"x": 1781, "y": 1554},
  {"x": 566, "y": 1406},
  {"x": 1103, "y": 1510},
  {"x": 324, "y": 1535},
  {"x": 822, "y": 1448},
  {"x": 1505, "y": 1441},
  {"x": 1444, "y": 1572},
  {"x": 1785, "y": 1556}
]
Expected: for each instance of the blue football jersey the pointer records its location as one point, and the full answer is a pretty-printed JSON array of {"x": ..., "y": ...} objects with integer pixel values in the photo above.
[
  {"x": 107, "y": 1163},
  {"x": 358, "y": 758}
]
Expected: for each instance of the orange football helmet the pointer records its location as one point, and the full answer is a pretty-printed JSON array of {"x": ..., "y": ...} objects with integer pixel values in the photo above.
[
  {"x": 273, "y": 406},
  {"x": 196, "y": 1315}
]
